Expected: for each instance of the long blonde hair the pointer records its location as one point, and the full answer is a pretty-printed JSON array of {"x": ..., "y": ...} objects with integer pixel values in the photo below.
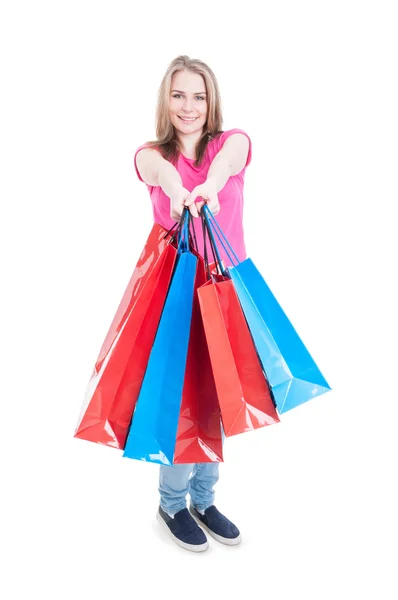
[{"x": 167, "y": 142}]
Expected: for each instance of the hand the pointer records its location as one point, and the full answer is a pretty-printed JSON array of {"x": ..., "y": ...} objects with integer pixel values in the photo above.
[
  {"x": 208, "y": 192},
  {"x": 177, "y": 200}
]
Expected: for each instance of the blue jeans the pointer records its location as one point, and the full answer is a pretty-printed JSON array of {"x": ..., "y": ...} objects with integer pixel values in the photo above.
[{"x": 195, "y": 479}]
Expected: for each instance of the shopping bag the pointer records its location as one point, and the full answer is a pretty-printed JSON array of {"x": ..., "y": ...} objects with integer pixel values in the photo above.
[
  {"x": 243, "y": 392},
  {"x": 199, "y": 437},
  {"x": 291, "y": 371},
  {"x": 115, "y": 382},
  {"x": 153, "y": 430}
]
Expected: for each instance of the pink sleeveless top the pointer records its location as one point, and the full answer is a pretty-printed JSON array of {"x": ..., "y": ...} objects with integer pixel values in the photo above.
[{"x": 230, "y": 217}]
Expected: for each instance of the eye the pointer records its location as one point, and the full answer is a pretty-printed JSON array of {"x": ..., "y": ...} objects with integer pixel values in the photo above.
[{"x": 179, "y": 96}]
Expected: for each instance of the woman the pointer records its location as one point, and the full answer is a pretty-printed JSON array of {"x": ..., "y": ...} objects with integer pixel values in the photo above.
[{"x": 193, "y": 162}]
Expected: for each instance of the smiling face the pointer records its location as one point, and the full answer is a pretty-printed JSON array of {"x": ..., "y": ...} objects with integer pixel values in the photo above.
[{"x": 188, "y": 103}]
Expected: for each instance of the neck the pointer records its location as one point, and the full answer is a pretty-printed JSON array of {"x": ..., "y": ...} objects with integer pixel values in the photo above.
[{"x": 189, "y": 140}]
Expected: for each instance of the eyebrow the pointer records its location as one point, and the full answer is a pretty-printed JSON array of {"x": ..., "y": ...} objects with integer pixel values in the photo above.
[{"x": 196, "y": 93}]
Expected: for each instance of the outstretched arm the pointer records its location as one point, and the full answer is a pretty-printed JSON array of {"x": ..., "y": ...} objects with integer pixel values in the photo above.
[
  {"x": 157, "y": 171},
  {"x": 229, "y": 161}
]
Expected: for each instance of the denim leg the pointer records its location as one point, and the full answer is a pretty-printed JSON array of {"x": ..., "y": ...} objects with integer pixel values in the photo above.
[
  {"x": 174, "y": 487},
  {"x": 204, "y": 477},
  {"x": 176, "y": 481}
]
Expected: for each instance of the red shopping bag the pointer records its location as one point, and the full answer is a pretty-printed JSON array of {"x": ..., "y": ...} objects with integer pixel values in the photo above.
[
  {"x": 199, "y": 427},
  {"x": 115, "y": 382},
  {"x": 243, "y": 391}
]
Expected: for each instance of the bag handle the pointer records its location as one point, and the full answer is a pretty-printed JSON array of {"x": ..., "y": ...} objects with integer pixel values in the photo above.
[
  {"x": 205, "y": 254},
  {"x": 183, "y": 232},
  {"x": 179, "y": 231},
  {"x": 215, "y": 228},
  {"x": 176, "y": 224},
  {"x": 192, "y": 238},
  {"x": 214, "y": 247}
]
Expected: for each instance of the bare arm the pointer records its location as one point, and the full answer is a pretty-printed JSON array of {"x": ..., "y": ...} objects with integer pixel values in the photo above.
[
  {"x": 219, "y": 171},
  {"x": 230, "y": 160},
  {"x": 157, "y": 171},
  {"x": 169, "y": 178}
]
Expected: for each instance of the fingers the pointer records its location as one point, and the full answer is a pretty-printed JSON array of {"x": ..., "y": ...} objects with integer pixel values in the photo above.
[
  {"x": 215, "y": 209},
  {"x": 189, "y": 200},
  {"x": 196, "y": 207},
  {"x": 191, "y": 204},
  {"x": 212, "y": 204},
  {"x": 176, "y": 213},
  {"x": 193, "y": 210},
  {"x": 199, "y": 205}
]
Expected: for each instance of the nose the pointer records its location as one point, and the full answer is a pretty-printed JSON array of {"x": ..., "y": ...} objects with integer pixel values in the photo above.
[{"x": 187, "y": 106}]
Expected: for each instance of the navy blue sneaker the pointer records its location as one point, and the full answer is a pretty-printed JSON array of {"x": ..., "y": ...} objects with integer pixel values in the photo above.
[
  {"x": 219, "y": 527},
  {"x": 184, "y": 530}
]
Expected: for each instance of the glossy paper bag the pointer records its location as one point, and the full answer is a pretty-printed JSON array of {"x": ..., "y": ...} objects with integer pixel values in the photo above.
[
  {"x": 291, "y": 371},
  {"x": 199, "y": 437},
  {"x": 153, "y": 431},
  {"x": 243, "y": 392},
  {"x": 118, "y": 373}
]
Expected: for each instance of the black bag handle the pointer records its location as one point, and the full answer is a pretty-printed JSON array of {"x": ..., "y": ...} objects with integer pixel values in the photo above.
[{"x": 214, "y": 249}]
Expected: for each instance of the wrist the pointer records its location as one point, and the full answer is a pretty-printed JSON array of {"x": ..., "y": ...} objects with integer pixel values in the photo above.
[
  {"x": 212, "y": 180},
  {"x": 176, "y": 187}
]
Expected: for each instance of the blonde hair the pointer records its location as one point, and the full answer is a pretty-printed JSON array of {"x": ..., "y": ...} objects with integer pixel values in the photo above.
[{"x": 167, "y": 142}]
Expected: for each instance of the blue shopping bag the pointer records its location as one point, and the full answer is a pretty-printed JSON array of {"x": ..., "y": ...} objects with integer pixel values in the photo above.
[
  {"x": 291, "y": 371},
  {"x": 153, "y": 430}
]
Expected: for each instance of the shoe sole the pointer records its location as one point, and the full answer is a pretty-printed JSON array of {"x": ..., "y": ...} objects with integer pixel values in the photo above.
[
  {"x": 190, "y": 547},
  {"x": 218, "y": 538}
]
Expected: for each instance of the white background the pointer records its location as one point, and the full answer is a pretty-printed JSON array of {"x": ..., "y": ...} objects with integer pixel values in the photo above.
[{"x": 315, "y": 86}]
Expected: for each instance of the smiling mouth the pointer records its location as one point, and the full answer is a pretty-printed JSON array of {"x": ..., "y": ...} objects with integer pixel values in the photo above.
[{"x": 188, "y": 120}]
